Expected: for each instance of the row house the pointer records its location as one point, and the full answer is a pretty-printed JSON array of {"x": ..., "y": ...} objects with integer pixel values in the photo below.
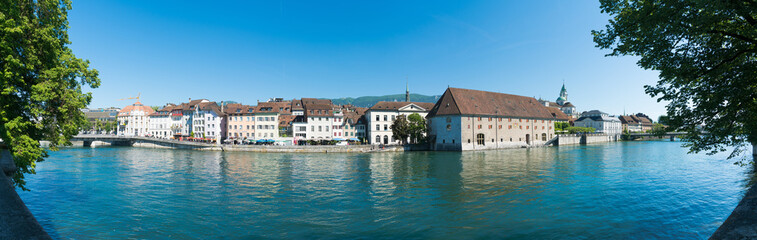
[
  {"x": 267, "y": 120},
  {"x": 208, "y": 120},
  {"x": 630, "y": 124},
  {"x": 316, "y": 119},
  {"x": 160, "y": 122},
  {"x": 240, "y": 120},
  {"x": 381, "y": 116},
  {"x": 465, "y": 119},
  {"x": 354, "y": 124},
  {"x": 133, "y": 120}
]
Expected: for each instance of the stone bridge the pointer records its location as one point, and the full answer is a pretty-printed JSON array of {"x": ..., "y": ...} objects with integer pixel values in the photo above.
[{"x": 671, "y": 135}]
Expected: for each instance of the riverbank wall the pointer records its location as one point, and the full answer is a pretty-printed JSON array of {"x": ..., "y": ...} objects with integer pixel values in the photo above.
[
  {"x": 575, "y": 139},
  {"x": 16, "y": 221},
  {"x": 742, "y": 223}
]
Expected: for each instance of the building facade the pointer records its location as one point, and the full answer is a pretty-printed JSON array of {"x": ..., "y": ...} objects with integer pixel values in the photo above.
[
  {"x": 381, "y": 116},
  {"x": 133, "y": 120},
  {"x": 465, "y": 119},
  {"x": 601, "y": 121},
  {"x": 240, "y": 121}
]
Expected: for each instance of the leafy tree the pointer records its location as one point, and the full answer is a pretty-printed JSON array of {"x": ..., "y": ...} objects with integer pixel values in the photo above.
[
  {"x": 663, "y": 119},
  {"x": 574, "y": 130},
  {"x": 658, "y": 130},
  {"x": 705, "y": 53},
  {"x": 401, "y": 128},
  {"x": 561, "y": 126},
  {"x": 41, "y": 81},
  {"x": 417, "y": 127}
]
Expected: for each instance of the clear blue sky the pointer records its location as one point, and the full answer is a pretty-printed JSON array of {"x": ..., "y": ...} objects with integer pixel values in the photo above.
[{"x": 246, "y": 51}]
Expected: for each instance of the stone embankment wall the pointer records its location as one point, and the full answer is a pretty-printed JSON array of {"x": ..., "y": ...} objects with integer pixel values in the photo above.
[
  {"x": 16, "y": 221},
  {"x": 271, "y": 149},
  {"x": 568, "y": 139},
  {"x": 574, "y": 139}
]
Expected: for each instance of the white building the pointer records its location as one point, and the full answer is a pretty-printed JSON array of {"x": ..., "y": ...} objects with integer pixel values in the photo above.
[
  {"x": 381, "y": 116},
  {"x": 601, "y": 121},
  {"x": 266, "y": 121},
  {"x": 160, "y": 122},
  {"x": 208, "y": 120},
  {"x": 316, "y": 120},
  {"x": 133, "y": 120}
]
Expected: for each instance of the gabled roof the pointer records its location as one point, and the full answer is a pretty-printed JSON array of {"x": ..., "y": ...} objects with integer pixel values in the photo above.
[
  {"x": 236, "y": 108},
  {"x": 394, "y": 106},
  {"x": 557, "y": 114},
  {"x": 628, "y": 120},
  {"x": 458, "y": 101}
]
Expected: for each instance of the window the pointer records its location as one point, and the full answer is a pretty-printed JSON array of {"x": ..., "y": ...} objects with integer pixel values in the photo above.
[
  {"x": 509, "y": 126},
  {"x": 468, "y": 126},
  {"x": 490, "y": 126},
  {"x": 312, "y": 128},
  {"x": 521, "y": 127},
  {"x": 449, "y": 127},
  {"x": 443, "y": 141},
  {"x": 378, "y": 138},
  {"x": 480, "y": 139},
  {"x": 320, "y": 128},
  {"x": 385, "y": 117},
  {"x": 393, "y": 117},
  {"x": 378, "y": 127},
  {"x": 327, "y": 128},
  {"x": 490, "y": 119},
  {"x": 500, "y": 127},
  {"x": 386, "y": 127},
  {"x": 479, "y": 126},
  {"x": 377, "y": 119}
]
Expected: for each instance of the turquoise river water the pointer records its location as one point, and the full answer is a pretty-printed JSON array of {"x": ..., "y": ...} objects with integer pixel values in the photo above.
[{"x": 633, "y": 190}]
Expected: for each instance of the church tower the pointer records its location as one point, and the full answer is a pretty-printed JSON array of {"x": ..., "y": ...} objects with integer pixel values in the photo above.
[
  {"x": 407, "y": 92},
  {"x": 563, "y": 96}
]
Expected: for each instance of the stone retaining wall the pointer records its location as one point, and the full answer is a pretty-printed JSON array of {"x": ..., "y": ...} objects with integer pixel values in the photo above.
[{"x": 16, "y": 221}]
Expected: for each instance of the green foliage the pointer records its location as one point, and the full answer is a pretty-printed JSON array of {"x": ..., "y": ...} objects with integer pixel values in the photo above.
[
  {"x": 658, "y": 130},
  {"x": 417, "y": 127},
  {"x": 368, "y": 101},
  {"x": 561, "y": 126},
  {"x": 574, "y": 130},
  {"x": 192, "y": 134},
  {"x": 155, "y": 108},
  {"x": 705, "y": 53},
  {"x": 41, "y": 81},
  {"x": 664, "y": 120},
  {"x": 401, "y": 128}
]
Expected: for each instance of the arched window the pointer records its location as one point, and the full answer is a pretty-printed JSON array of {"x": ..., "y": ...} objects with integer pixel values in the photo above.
[
  {"x": 386, "y": 139},
  {"x": 544, "y": 137},
  {"x": 480, "y": 139},
  {"x": 449, "y": 127},
  {"x": 378, "y": 139}
]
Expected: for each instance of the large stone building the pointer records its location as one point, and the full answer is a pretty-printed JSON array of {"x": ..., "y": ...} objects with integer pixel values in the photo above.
[
  {"x": 465, "y": 119},
  {"x": 133, "y": 120},
  {"x": 381, "y": 116}
]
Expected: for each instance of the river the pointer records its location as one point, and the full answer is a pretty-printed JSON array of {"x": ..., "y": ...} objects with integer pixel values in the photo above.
[{"x": 628, "y": 190}]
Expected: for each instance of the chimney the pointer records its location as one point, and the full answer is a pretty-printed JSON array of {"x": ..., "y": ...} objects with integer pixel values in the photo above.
[{"x": 221, "y": 106}]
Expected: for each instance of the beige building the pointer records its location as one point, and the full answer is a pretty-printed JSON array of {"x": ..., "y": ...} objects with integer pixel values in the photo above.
[
  {"x": 240, "y": 121},
  {"x": 465, "y": 119},
  {"x": 267, "y": 121}
]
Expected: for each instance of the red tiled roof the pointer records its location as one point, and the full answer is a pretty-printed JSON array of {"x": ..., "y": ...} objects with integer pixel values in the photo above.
[
  {"x": 557, "y": 114},
  {"x": 138, "y": 106},
  {"x": 458, "y": 101}
]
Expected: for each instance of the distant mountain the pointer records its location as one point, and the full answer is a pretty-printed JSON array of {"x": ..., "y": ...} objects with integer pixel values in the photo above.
[{"x": 368, "y": 101}]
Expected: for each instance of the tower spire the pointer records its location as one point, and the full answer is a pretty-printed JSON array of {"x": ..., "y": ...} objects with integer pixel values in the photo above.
[{"x": 407, "y": 91}]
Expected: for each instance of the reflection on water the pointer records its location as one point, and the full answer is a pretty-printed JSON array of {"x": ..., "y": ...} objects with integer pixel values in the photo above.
[{"x": 625, "y": 190}]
